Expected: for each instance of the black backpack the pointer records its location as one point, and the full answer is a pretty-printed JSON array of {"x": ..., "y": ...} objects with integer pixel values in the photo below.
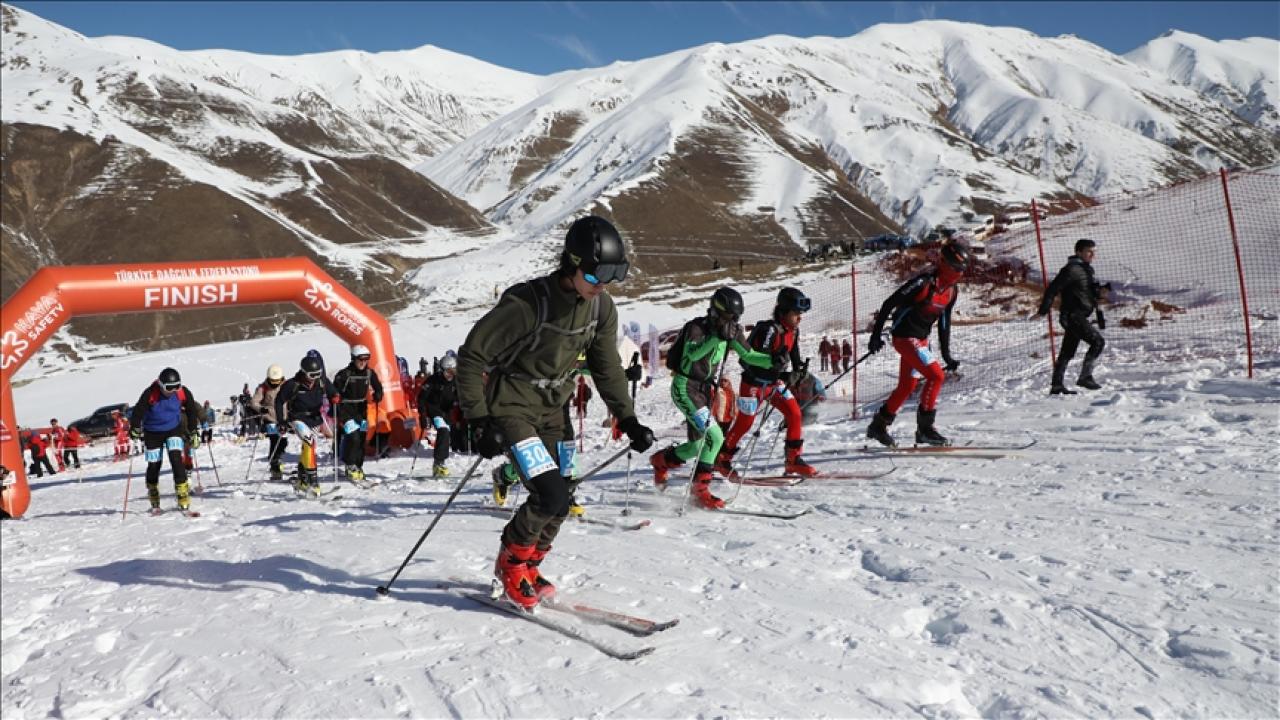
[{"x": 676, "y": 354}]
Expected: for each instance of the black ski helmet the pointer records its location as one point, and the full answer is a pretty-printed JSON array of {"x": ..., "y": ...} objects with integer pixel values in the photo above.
[
  {"x": 170, "y": 379},
  {"x": 956, "y": 254},
  {"x": 312, "y": 367},
  {"x": 727, "y": 302},
  {"x": 594, "y": 245},
  {"x": 790, "y": 299}
]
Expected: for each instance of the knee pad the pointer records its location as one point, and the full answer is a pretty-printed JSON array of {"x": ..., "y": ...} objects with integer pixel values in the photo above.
[
  {"x": 173, "y": 443},
  {"x": 303, "y": 432},
  {"x": 550, "y": 494},
  {"x": 532, "y": 458}
]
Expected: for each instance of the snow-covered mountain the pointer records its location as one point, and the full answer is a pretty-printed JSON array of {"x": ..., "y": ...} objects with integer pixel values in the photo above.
[
  {"x": 122, "y": 149},
  {"x": 929, "y": 120},
  {"x": 1239, "y": 74}
]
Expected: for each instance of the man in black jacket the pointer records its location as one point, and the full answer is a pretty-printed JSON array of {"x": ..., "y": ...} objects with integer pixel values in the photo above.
[
  {"x": 298, "y": 404},
  {"x": 436, "y": 402},
  {"x": 1080, "y": 293},
  {"x": 353, "y": 384}
]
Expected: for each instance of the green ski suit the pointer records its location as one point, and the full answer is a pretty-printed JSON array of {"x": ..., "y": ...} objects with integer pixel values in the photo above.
[{"x": 693, "y": 383}]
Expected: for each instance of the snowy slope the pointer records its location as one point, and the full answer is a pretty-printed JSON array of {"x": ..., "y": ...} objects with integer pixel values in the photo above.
[
  {"x": 1124, "y": 565},
  {"x": 926, "y": 119}
]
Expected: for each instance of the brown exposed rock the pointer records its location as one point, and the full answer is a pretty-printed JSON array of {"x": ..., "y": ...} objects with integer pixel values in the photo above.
[{"x": 68, "y": 199}]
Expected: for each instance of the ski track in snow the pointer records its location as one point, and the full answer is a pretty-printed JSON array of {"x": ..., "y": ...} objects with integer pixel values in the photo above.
[{"x": 1125, "y": 565}]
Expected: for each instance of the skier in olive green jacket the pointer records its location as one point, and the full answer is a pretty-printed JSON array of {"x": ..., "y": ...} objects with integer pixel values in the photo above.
[
  {"x": 515, "y": 373},
  {"x": 694, "y": 361}
]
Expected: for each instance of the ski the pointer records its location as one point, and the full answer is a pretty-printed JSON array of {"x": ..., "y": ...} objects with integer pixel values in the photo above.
[
  {"x": 191, "y": 513},
  {"x": 955, "y": 451},
  {"x": 155, "y": 512},
  {"x": 563, "y": 628},
  {"x": 633, "y": 624},
  {"x": 766, "y": 481},
  {"x": 638, "y": 626},
  {"x": 789, "y": 480},
  {"x": 616, "y": 524},
  {"x": 763, "y": 513}
]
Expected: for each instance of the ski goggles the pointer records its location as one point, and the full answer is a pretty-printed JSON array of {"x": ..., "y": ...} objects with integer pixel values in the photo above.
[
  {"x": 314, "y": 374},
  {"x": 606, "y": 273},
  {"x": 802, "y": 304},
  {"x": 170, "y": 387}
]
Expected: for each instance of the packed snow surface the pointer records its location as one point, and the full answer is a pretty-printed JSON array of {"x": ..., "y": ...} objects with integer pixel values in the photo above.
[{"x": 1123, "y": 565}]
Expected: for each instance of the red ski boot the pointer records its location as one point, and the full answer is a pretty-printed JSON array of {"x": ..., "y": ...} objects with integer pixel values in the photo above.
[
  {"x": 795, "y": 464},
  {"x": 724, "y": 462},
  {"x": 662, "y": 463},
  {"x": 702, "y": 491},
  {"x": 512, "y": 568},
  {"x": 542, "y": 587}
]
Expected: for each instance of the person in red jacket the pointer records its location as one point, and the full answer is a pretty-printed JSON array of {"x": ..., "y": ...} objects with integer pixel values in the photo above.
[
  {"x": 39, "y": 457},
  {"x": 777, "y": 337},
  {"x": 71, "y": 448},
  {"x": 59, "y": 437},
  {"x": 910, "y": 312},
  {"x": 121, "y": 428}
]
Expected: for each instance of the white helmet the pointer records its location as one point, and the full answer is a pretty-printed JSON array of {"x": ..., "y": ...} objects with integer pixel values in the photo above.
[
  {"x": 275, "y": 372},
  {"x": 449, "y": 362},
  {"x": 360, "y": 351}
]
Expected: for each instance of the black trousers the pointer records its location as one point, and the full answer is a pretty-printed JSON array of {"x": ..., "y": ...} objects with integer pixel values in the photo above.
[
  {"x": 37, "y": 463},
  {"x": 156, "y": 441},
  {"x": 1077, "y": 327},
  {"x": 352, "y": 442},
  {"x": 71, "y": 456}
]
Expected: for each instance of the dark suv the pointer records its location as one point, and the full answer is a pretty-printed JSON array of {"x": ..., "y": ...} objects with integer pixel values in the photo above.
[{"x": 100, "y": 423}]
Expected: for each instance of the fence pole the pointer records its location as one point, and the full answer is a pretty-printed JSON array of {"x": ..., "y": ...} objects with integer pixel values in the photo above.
[
  {"x": 1244, "y": 294},
  {"x": 853, "y": 323},
  {"x": 1044, "y": 279}
]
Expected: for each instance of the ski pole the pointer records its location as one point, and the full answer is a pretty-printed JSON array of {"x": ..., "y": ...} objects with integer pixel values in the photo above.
[
  {"x": 128, "y": 479},
  {"x": 702, "y": 441},
  {"x": 626, "y": 503},
  {"x": 416, "y": 443},
  {"x": 252, "y": 451},
  {"x": 195, "y": 470},
  {"x": 213, "y": 463},
  {"x": 385, "y": 590}
]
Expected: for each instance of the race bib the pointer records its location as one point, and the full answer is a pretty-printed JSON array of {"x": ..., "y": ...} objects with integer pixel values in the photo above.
[
  {"x": 533, "y": 458},
  {"x": 568, "y": 453},
  {"x": 350, "y": 426},
  {"x": 748, "y": 405},
  {"x": 153, "y": 455},
  {"x": 438, "y": 422},
  {"x": 173, "y": 443}
]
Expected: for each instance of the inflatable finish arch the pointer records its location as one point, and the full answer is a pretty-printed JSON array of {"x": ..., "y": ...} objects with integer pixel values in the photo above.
[{"x": 56, "y": 294}]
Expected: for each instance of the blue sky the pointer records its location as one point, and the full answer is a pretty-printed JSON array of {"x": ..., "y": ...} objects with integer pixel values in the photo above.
[{"x": 546, "y": 37}]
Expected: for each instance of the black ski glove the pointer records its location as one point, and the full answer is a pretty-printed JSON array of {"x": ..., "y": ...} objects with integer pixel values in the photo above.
[
  {"x": 489, "y": 440},
  {"x": 1102, "y": 321},
  {"x": 875, "y": 343},
  {"x": 634, "y": 373},
  {"x": 729, "y": 329},
  {"x": 135, "y": 433},
  {"x": 952, "y": 364},
  {"x": 641, "y": 437}
]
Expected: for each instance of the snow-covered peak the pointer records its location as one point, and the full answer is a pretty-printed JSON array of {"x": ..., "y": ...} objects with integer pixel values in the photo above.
[{"x": 1241, "y": 74}]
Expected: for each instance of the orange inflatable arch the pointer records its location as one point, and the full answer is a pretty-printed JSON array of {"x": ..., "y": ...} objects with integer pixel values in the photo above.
[{"x": 54, "y": 295}]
